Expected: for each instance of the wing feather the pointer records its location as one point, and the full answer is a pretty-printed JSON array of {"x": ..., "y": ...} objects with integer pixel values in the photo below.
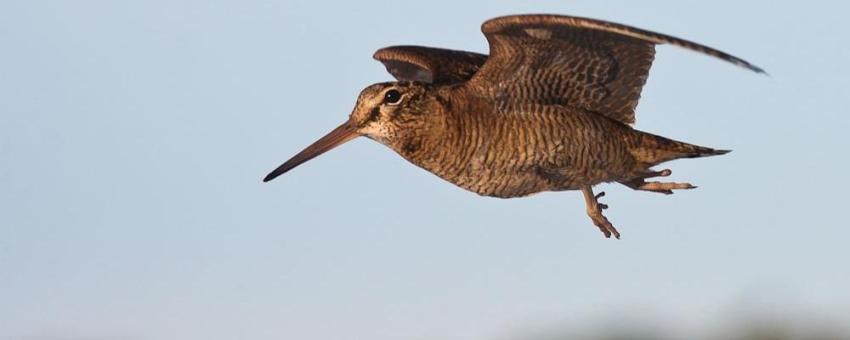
[
  {"x": 430, "y": 65},
  {"x": 586, "y": 63}
]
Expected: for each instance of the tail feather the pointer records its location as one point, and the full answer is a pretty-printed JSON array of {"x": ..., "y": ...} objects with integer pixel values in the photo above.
[
  {"x": 702, "y": 151},
  {"x": 652, "y": 150}
]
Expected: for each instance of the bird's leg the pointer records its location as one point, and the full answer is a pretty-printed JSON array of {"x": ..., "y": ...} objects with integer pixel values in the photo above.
[
  {"x": 594, "y": 210},
  {"x": 640, "y": 183}
]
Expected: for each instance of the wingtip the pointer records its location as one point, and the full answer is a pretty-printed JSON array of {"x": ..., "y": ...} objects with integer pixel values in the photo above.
[
  {"x": 269, "y": 177},
  {"x": 757, "y": 69}
]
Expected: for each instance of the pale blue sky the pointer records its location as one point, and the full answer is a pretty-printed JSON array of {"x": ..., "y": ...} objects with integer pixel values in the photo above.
[{"x": 134, "y": 135}]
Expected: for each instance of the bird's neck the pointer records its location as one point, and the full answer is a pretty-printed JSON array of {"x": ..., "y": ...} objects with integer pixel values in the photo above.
[{"x": 443, "y": 145}]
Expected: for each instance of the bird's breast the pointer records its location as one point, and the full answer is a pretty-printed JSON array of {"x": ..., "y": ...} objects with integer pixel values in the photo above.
[{"x": 501, "y": 156}]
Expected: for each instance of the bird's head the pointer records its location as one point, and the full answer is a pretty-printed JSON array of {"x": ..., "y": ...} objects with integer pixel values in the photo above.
[{"x": 386, "y": 112}]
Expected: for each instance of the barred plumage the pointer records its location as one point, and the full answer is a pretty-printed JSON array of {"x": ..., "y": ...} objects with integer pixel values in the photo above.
[{"x": 548, "y": 110}]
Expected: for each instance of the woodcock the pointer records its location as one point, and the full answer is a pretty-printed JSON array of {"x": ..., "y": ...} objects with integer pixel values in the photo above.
[{"x": 550, "y": 109}]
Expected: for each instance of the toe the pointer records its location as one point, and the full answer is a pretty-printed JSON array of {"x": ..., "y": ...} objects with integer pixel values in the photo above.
[
  {"x": 616, "y": 233},
  {"x": 605, "y": 232}
]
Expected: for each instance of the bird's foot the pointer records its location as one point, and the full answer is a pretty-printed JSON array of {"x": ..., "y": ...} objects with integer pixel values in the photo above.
[
  {"x": 666, "y": 188},
  {"x": 594, "y": 211}
]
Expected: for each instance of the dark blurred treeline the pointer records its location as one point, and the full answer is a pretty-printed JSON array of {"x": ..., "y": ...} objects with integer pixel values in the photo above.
[{"x": 743, "y": 329}]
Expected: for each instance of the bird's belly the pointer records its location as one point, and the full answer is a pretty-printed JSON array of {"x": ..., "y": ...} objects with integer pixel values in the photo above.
[
  {"x": 517, "y": 175},
  {"x": 501, "y": 183},
  {"x": 520, "y": 156},
  {"x": 522, "y": 172},
  {"x": 528, "y": 180}
]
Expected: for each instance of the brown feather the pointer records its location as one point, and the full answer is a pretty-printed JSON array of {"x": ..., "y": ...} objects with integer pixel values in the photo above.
[{"x": 428, "y": 64}]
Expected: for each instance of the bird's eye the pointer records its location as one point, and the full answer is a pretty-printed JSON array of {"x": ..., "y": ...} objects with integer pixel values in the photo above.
[{"x": 392, "y": 97}]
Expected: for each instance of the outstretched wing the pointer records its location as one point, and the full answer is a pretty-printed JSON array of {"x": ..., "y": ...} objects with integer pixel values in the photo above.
[
  {"x": 591, "y": 64},
  {"x": 430, "y": 65}
]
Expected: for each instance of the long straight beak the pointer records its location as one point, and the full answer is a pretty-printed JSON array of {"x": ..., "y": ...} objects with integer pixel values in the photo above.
[{"x": 338, "y": 136}]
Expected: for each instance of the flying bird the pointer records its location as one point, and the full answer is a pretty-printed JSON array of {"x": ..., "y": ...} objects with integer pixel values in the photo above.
[{"x": 551, "y": 108}]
